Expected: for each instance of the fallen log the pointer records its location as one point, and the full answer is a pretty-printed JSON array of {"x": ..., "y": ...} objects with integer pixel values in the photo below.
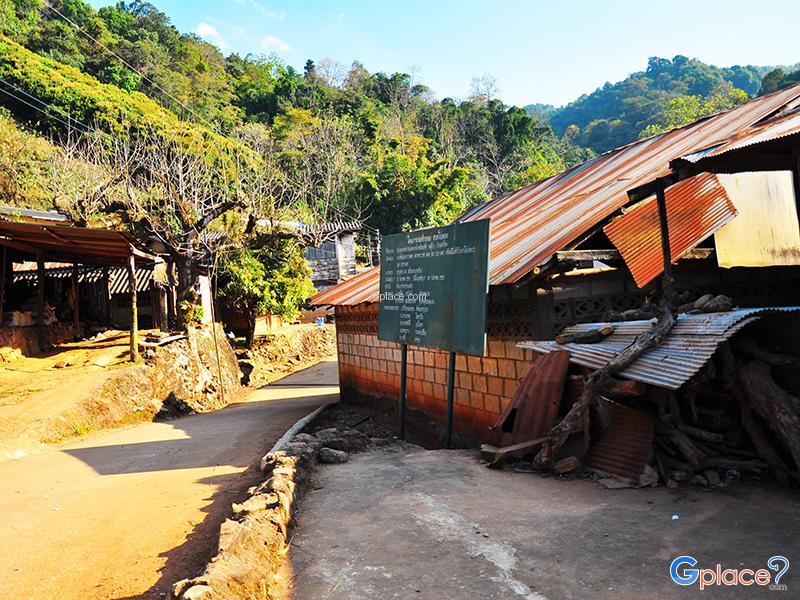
[
  {"x": 701, "y": 434},
  {"x": 763, "y": 447},
  {"x": 779, "y": 409},
  {"x": 586, "y": 337},
  {"x": 625, "y": 389},
  {"x": 750, "y": 348}
]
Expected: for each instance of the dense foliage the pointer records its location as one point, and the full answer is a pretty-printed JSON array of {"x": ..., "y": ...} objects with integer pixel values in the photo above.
[
  {"x": 337, "y": 140},
  {"x": 618, "y": 113}
]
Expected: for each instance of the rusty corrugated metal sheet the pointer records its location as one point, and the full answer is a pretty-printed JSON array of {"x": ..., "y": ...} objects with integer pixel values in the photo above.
[
  {"x": 364, "y": 287},
  {"x": 535, "y": 404},
  {"x": 531, "y": 224},
  {"x": 624, "y": 446},
  {"x": 681, "y": 354},
  {"x": 767, "y": 131},
  {"x": 696, "y": 208}
]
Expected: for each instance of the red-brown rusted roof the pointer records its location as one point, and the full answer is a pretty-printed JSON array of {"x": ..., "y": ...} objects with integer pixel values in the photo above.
[
  {"x": 696, "y": 208},
  {"x": 529, "y": 225},
  {"x": 769, "y": 131},
  {"x": 72, "y": 244}
]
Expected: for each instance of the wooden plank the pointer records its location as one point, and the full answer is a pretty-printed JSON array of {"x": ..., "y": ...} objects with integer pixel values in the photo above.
[{"x": 614, "y": 255}]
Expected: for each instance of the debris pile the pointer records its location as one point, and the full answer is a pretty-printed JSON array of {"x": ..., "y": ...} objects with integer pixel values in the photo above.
[{"x": 715, "y": 397}]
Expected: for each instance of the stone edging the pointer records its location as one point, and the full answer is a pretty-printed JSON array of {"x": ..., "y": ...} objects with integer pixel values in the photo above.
[{"x": 252, "y": 544}]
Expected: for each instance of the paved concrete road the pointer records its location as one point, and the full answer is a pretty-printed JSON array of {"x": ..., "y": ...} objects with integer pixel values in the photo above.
[
  {"x": 124, "y": 514},
  {"x": 437, "y": 524}
]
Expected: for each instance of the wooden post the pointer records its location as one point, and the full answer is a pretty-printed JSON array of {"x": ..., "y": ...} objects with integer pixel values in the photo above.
[
  {"x": 403, "y": 371},
  {"x": 107, "y": 296},
  {"x": 3, "y": 285},
  {"x": 668, "y": 282},
  {"x": 40, "y": 331},
  {"x": 76, "y": 307},
  {"x": 134, "y": 324}
]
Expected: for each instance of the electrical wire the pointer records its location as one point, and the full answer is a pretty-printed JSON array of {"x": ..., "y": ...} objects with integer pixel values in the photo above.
[
  {"x": 131, "y": 67},
  {"x": 44, "y": 112}
]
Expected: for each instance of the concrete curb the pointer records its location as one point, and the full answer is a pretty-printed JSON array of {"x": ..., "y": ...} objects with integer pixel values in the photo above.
[{"x": 290, "y": 433}]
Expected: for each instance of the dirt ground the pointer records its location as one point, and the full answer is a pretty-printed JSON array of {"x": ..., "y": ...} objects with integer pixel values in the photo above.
[
  {"x": 36, "y": 390},
  {"x": 126, "y": 513},
  {"x": 437, "y": 524}
]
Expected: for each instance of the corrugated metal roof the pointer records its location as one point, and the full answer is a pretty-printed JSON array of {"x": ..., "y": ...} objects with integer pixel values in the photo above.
[
  {"x": 696, "y": 208},
  {"x": 15, "y": 213},
  {"x": 73, "y": 244},
  {"x": 767, "y": 131},
  {"x": 118, "y": 276},
  {"x": 364, "y": 287},
  {"x": 681, "y": 354},
  {"x": 531, "y": 224},
  {"x": 625, "y": 444}
]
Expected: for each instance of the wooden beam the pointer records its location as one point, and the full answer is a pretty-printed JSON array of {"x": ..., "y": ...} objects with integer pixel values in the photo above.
[
  {"x": 606, "y": 256},
  {"x": 134, "y": 346}
]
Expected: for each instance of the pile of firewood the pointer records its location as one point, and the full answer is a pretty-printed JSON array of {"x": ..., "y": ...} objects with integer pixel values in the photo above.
[{"x": 731, "y": 418}]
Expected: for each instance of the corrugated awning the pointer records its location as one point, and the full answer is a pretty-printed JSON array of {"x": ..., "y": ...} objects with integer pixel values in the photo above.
[
  {"x": 681, "y": 354},
  {"x": 696, "y": 208},
  {"x": 73, "y": 244},
  {"x": 117, "y": 276}
]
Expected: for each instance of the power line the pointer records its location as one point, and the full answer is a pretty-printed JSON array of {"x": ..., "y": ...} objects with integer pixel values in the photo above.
[
  {"x": 47, "y": 114},
  {"x": 132, "y": 68}
]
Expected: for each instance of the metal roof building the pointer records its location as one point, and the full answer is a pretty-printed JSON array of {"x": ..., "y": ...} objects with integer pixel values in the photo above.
[{"x": 530, "y": 225}]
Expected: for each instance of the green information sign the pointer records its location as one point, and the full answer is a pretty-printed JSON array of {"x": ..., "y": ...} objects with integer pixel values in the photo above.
[{"x": 433, "y": 287}]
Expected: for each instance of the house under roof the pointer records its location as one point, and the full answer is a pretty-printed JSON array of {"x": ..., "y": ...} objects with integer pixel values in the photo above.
[{"x": 529, "y": 226}]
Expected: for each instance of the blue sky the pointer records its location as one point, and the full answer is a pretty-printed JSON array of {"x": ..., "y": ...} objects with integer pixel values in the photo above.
[{"x": 539, "y": 51}]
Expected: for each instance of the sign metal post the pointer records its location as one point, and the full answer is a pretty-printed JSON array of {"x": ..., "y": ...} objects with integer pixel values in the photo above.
[{"x": 433, "y": 290}]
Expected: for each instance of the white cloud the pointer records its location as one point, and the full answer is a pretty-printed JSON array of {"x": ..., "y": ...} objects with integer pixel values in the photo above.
[
  {"x": 273, "y": 42},
  {"x": 278, "y": 15},
  {"x": 210, "y": 33}
]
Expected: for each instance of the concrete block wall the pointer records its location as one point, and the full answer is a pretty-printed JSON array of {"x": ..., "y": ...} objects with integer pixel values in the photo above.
[{"x": 483, "y": 385}]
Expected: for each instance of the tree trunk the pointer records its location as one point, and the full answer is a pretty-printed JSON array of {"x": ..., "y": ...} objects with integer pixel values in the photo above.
[{"x": 251, "y": 329}]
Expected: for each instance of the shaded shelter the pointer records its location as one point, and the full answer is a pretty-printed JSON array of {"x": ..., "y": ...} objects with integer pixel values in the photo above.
[{"x": 78, "y": 246}]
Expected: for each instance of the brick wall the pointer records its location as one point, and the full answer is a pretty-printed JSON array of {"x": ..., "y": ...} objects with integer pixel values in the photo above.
[{"x": 483, "y": 385}]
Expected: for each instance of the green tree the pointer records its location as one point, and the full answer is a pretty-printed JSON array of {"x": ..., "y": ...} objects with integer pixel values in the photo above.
[{"x": 274, "y": 280}]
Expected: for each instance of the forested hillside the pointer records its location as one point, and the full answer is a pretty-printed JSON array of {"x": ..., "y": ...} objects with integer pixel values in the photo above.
[
  {"x": 333, "y": 140},
  {"x": 669, "y": 93}
]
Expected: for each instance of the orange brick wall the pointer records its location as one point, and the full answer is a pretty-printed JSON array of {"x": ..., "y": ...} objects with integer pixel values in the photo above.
[{"x": 483, "y": 385}]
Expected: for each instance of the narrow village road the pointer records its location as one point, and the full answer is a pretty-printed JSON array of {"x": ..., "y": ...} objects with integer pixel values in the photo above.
[{"x": 125, "y": 513}]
